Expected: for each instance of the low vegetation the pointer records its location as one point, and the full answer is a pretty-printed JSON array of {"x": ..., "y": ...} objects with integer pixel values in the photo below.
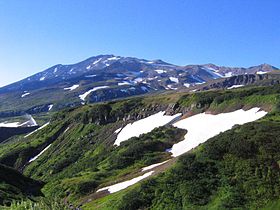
[{"x": 236, "y": 169}]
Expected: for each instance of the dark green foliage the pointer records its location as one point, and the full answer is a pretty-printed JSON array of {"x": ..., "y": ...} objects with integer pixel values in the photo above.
[
  {"x": 149, "y": 148},
  {"x": 14, "y": 185},
  {"x": 6, "y": 133}
]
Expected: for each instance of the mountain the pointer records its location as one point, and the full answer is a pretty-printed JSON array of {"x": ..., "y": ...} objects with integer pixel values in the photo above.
[
  {"x": 216, "y": 149},
  {"x": 104, "y": 78}
]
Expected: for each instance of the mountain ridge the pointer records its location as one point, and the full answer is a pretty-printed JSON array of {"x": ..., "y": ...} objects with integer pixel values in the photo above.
[{"x": 109, "y": 77}]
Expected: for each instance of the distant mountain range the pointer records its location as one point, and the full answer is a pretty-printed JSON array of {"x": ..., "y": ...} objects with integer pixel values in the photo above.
[{"x": 108, "y": 77}]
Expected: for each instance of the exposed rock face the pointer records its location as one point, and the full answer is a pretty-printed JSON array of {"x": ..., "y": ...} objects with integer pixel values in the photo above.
[{"x": 248, "y": 79}]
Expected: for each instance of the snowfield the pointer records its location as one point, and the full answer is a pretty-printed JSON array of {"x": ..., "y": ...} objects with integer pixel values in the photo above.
[
  {"x": 29, "y": 123},
  {"x": 125, "y": 184},
  {"x": 203, "y": 126},
  {"x": 34, "y": 158},
  {"x": 83, "y": 96},
  {"x": 174, "y": 79},
  {"x": 72, "y": 87},
  {"x": 25, "y": 94},
  {"x": 187, "y": 85},
  {"x": 235, "y": 86},
  {"x": 10, "y": 125},
  {"x": 50, "y": 107},
  {"x": 159, "y": 71},
  {"x": 261, "y": 72},
  {"x": 145, "y": 125},
  {"x": 153, "y": 166},
  {"x": 123, "y": 83}
]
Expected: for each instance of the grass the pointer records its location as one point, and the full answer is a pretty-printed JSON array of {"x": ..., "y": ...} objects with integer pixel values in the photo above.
[{"x": 84, "y": 159}]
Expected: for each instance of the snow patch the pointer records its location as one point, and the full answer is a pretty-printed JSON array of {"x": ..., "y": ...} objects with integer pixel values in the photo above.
[
  {"x": 91, "y": 75},
  {"x": 97, "y": 61},
  {"x": 174, "y": 79},
  {"x": 153, "y": 166},
  {"x": 187, "y": 85},
  {"x": 169, "y": 87},
  {"x": 37, "y": 129},
  {"x": 50, "y": 107},
  {"x": 145, "y": 125},
  {"x": 25, "y": 94},
  {"x": 10, "y": 125},
  {"x": 123, "y": 83},
  {"x": 125, "y": 184},
  {"x": 138, "y": 80},
  {"x": 214, "y": 74},
  {"x": 73, "y": 87},
  {"x": 66, "y": 130},
  {"x": 261, "y": 72},
  {"x": 159, "y": 71},
  {"x": 118, "y": 130},
  {"x": 42, "y": 78},
  {"x": 235, "y": 86},
  {"x": 229, "y": 74},
  {"x": 113, "y": 59},
  {"x": 83, "y": 96},
  {"x": 202, "y": 127},
  {"x": 34, "y": 158}
]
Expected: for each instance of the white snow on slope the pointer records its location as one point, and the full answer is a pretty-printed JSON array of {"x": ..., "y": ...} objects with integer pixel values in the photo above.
[
  {"x": 97, "y": 61},
  {"x": 118, "y": 130},
  {"x": 159, "y": 71},
  {"x": 138, "y": 80},
  {"x": 261, "y": 72},
  {"x": 91, "y": 75},
  {"x": 229, "y": 74},
  {"x": 187, "y": 85},
  {"x": 113, "y": 58},
  {"x": 42, "y": 78},
  {"x": 25, "y": 94},
  {"x": 29, "y": 123},
  {"x": 125, "y": 184},
  {"x": 10, "y": 125},
  {"x": 37, "y": 129},
  {"x": 123, "y": 83},
  {"x": 73, "y": 87},
  {"x": 34, "y": 158},
  {"x": 213, "y": 73},
  {"x": 50, "y": 107},
  {"x": 235, "y": 86},
  {"x": 153, "y": 166},
  {"x": 144, "y": 126},
  {"x": 203, "y": 126},
  {"x": 83, "y": 96},
  {"x": 174, "y": 79},
  {"x": 32, "y": 121}
]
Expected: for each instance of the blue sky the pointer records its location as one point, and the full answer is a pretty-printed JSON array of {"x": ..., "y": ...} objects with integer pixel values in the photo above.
[{"x": 37, "y": 34}]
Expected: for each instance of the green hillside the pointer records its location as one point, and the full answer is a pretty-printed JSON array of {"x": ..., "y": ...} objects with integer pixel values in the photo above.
[{"x": 236, "y": 169}]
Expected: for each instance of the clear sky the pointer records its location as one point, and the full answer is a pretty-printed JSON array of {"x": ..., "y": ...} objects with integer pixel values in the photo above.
[{"x": 37, "y": 34}]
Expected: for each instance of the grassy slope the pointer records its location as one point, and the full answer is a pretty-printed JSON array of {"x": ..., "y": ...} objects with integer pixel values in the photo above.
[
  {"x": 14, "y": 185},
  {"x": 78, "y": 161},
  {"x": 238, "y": 169}
]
